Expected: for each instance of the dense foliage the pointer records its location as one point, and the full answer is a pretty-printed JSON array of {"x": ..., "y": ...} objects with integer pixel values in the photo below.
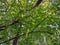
[{"x": 22, "y": 25}]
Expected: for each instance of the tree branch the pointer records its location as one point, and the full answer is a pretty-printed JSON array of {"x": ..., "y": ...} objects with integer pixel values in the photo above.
[
  {"x": 25, "y": 34},
  {"x": 4, "y": 26},
  {"x": 37, "y": 3},
  {"x": 33, "y": 30},
  {"x": 15, "y": 40}
]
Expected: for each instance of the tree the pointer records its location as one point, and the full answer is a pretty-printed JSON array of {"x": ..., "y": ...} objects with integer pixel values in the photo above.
[{"x": 21, "y": 24}]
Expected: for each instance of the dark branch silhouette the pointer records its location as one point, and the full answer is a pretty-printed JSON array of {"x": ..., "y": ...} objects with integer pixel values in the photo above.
[
  {"x": 27, "y": 33},
  {"x": 37, "y": 3},
  {"x": 33, "y": 31},
  {"x": 4, "y": 26},
  {"x": 15, "y": 40}
]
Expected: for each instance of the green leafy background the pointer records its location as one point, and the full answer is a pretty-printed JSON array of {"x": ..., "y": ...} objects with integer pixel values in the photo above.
[{"x": 44, "y": 21}]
